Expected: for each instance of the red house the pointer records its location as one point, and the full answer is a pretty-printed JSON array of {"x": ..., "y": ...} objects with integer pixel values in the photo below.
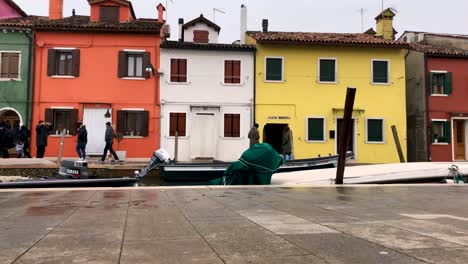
[{"x": 437, "y": 96}]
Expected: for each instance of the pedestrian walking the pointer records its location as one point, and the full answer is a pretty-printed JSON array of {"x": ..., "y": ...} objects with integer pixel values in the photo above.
[
  {"x": 109, "y": 138},
  {"x": 42, "y": 133},
  {"x": 82, "y": 141},
  {"x": 24, "y": 143},
  {"x": 286, "y": 145},
  {"x": 254, "y": 135}
]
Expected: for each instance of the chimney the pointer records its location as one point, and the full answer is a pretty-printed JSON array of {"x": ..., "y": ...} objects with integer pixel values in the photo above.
[
  {"x": 181, "y": 30},
  {"x": 161, "y": 10},
  {"x": 265, "y": 25},
  {"x": 243, "y": 24},
  {"x": 55, "y": 9},
  {"x": 385, "y": 24}
]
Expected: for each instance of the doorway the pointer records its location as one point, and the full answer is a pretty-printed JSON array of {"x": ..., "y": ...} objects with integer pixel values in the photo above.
[
  {"x": 273, "y": 135},
  {"x": 11, "y": 117},
  {"x": 95, "y": 121},
  {"x": 204, "y": 136},
  {"x": 339, "y": 129},
  {"x": 459, "y": 139}
]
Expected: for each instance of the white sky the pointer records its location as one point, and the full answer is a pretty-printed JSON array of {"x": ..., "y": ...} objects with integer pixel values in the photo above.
[{"x": 448, "y": 16}]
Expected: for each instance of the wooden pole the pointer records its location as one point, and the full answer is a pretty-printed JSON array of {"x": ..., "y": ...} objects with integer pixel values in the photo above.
[
  {"x": 62, "y": 142},
  {"x": 176, "y": 145},
  {"x": 397, "y": 144},
  {"x": 345, "y": 134}
]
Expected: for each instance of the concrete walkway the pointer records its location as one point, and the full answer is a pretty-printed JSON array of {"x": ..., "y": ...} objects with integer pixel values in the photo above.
[{"x": 370, "y": 224}]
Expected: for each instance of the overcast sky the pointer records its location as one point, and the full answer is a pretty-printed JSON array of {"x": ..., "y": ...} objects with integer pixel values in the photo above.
[{"x": 448, "y": 16}]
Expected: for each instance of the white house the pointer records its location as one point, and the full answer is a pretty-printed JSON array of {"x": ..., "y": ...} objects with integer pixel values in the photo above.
[{"x": 207, "y": 94}]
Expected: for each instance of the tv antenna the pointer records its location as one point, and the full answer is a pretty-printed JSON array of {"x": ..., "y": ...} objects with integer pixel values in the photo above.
[
  {"x": 167, "y": 7},
  {"x": 362, "y": 11},
  {"x": 216, "y": 10}
]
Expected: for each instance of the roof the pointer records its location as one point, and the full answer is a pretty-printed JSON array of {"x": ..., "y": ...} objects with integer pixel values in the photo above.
[
  {"x": 201, "y": 19},
  {"x": 437, "y": 34},
  {"x": 206, "y": 46},
  {"x": 436, "y": 50},
  {"x": 16, "y": 7},
  {"x": 345, "y": 39},
  {"x": 386, "y": 13},
  {"x": 121, "y": 2},
  {"x": 83, "y": 23}
]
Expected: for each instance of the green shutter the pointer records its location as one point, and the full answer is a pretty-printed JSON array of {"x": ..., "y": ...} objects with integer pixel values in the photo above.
[
  {"x": 374, "y": 130},
  {"x": 315, "y": 128},
  {"x": 327, "y": 71},
  {"x": 380, "y": 72},
  {"x": 447, "y": 135},
  {"x": 431, "y": 82},
  {"x": 274, "y": 69},
  {"x": 448, "y": 83}
]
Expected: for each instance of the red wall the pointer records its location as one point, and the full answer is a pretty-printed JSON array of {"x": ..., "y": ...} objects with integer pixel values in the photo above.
[
  {"x": 98, "y": 83},
  {"x": 441, "y": 107}
]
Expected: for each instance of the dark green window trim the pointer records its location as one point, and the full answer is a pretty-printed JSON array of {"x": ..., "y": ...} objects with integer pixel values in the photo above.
[
  {"x": 380, "y": 71},
  {"x": 327, "y": 70},
  {"x": 375, "y": 130},
  {"x": 443, "y": 82},
  {"x": 316, "y": 129},
  {"x": 274, "y": 69},
  {"x": 445, "y": 137}
]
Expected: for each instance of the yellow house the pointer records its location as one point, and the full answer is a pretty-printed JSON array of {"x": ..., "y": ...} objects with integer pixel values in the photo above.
[{"x": 301, "y": 81}]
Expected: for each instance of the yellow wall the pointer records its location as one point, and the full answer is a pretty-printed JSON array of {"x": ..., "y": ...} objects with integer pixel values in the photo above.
[{"x": 300, "y": 96}]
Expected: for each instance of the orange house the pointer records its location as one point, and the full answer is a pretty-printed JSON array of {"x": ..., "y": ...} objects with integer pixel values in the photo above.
[{"x": 96, "y": 69}]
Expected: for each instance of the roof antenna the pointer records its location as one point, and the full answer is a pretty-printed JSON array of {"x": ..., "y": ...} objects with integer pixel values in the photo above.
[
  {"x": 167, "y": 7},
  {"x": 214, "y": 13},
  {"x": 73, "y": 12},
  {"x": 362, "y": 11}
]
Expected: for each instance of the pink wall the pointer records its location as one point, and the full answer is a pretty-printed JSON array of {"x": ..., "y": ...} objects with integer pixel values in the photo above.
[{"x": 6, "y": 11}]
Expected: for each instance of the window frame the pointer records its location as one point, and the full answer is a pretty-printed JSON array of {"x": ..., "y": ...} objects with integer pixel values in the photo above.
[
  {"x": 186, "y": 71},
  {"x": 319, "y": 70},
  {"x": 169, "y": 125},
  {"x": 449, "y": 125},
  {"x": 224, "y": 73},
  {"x": 19, "y": 65},
  {"x": 367, "y": 130},
  {"x": 224, "y": 124},
  {"x": 388, "y": 72},
  {"x": 282, "y": 69},
  {"x": 431, "y": 89},
  {"x": 134, "y": 54},
  {"x": 324, "y": 129},
  {"x": 66, "y": 49},
  {"x": 57, "y": 62}
]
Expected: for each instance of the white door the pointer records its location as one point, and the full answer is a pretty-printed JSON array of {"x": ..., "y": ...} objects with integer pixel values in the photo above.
[
  {"x": 96, "y": 125},
  {"x": 204, "y": 135}
]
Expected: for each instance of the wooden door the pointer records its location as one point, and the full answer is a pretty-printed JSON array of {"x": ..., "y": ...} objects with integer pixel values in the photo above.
[{"x": 459, "y": 140}]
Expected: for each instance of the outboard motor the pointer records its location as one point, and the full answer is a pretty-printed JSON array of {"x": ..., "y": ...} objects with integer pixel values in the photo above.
[
  {"x": 74, "y": 169},
  {"x": 159, "y": 157}
]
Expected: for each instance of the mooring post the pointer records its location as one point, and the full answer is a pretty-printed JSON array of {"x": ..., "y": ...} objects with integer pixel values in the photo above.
[
  {"x": 62, "y": 142},
  {"x": 176, "y": 145},
  {"x": 345, "y": 134},
  {"x": 398, "y": 145}
]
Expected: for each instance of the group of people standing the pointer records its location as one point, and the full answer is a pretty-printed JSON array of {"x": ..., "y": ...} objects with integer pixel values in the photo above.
[
  {"x": 286, "y": 140},
  {"x": 11, "y": 137}
]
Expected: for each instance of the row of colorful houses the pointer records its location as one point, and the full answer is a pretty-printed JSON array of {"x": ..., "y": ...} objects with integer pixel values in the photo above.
[{"x": 113, "y": 66}]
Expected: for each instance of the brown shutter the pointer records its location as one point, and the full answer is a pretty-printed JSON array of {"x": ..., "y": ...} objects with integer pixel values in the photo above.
[
  {"x": 227, "y": 71},
  {"x": 73, "y": 122},
  {"x": 146, "y": 62},
  {"x": 181, "y": 120},
  {"x": 174, "y": 70},
  {"x": 236, "y": 125},
  {"x": 236, "y": 71},
  {"x": 172, "y": 124},
  {"x": 121, "y": 122},
  {"x": 51, "y": 62},
  {"x": 49, "y": 116},
  {"x": 76, "y": 62},
  {"x": 5, "y": 65},
  {"x": 227, "y": 125},
  {"x": 183, "y": 70},
  {"x": 122, "y": 67},
  {"x": 200, "y": 36},
  {"x": 145, "y": 128}
]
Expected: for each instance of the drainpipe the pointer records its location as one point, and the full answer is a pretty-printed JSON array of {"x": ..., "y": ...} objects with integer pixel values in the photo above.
[
  {"x": 254, "y": 87},
  {"x": 31, "y": 36},
  {"x": 427, "y": 91}
]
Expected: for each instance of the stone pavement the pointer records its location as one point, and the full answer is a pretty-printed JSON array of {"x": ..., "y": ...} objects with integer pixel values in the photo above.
[{"x": 367, "y": 224}]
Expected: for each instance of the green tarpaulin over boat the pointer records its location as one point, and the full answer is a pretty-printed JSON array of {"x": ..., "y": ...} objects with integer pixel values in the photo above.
[{"x": 255, "y": 167}]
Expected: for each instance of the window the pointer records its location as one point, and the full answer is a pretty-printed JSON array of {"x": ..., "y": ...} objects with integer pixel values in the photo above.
[
  {"x": 133, "y": 123},
  {"x": 315, "y": 129},
  {"x": 133, "y": 64},
  {"x": 274, "y": 69},
  {"x": 178, "y": 70},
  {"x": 440, "y": 83},
  {"x": 232, "y": 71},
  {"x": 375, "y": 132},
  {"x": 232, "y": 125},
  {"x": 9, "y": 65},
  {"x": 177, "y": 123},
  {"x": 440, "y": 131},
  {"x": 62, "y": 119},
  {"x": 200, "y": 36},
  {"x": 109, "y": 13},
  {"x": 380, "y": 72},
  {"x": 63, "y": 62},
  {"x": 327, "y": 70}
]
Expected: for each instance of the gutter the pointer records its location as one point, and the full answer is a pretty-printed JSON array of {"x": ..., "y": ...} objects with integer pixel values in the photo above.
[
  {"x": 427, "y": 92},
  {"x": 254, "y": 87},
  {"x": 30, "y": 91}
]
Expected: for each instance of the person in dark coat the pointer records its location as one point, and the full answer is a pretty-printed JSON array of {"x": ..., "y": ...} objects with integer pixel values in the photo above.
[
  {"x": 24, "y": 138},
  {"x": 42, "y": 133},
  {"x": 286, "y": 145},
  {"x": 82, "y": 141},
  {"x": 254, "y": 135},
  {"x": 109, "y": 138},
  {"x": 3, "y": 139}
]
